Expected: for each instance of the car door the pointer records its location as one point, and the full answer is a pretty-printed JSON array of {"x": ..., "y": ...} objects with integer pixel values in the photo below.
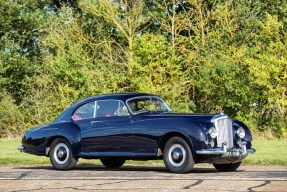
[
  {"x": 109, "y": 132},
  {"x": 146, "y": 134},
  {"x": 147, "y": 129}
]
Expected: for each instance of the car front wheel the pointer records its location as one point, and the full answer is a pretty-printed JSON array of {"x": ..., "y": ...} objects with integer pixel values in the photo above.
[
  {"x": 112, "y": 163},
  {"x": 61, "y": 155},
  {"x": 227, "y": 167},
  {"x": 177, "y": 156}
]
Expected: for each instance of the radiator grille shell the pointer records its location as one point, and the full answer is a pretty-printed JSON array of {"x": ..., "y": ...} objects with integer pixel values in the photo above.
[{"x": 224, "y": 129}]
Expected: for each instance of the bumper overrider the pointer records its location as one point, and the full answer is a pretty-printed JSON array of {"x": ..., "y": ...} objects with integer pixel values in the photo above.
[
  {"x": 21, "y": 148},
  {"x": 225, "y": 152}
]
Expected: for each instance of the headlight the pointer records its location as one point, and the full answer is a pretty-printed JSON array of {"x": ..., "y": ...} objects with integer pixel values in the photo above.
[
  {"x": 240, "y": 132},
  {"x": 212, "y": 132}
]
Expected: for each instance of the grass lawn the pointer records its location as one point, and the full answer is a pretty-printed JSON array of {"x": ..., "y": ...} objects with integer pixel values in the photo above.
[
  {"x": 269, "y": 152},
  {"x": 10, "y": 155}
]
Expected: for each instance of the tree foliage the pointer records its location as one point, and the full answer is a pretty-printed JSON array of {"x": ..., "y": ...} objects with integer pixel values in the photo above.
[{"x": 201, "y": 56}]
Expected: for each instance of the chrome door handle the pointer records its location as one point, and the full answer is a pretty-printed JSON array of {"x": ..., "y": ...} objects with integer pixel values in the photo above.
[{"x": 94, "y": 122}]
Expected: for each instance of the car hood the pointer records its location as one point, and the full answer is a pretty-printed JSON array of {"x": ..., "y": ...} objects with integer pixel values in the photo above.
[{"x": 205, "y": 118}]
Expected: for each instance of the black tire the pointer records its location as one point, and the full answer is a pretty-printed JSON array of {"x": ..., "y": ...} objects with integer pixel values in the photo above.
[
  {"x": 227, "y": 167},
  {"x": 112, "y": 163},
  {"x": 177, "y": 156},
  {"x": 61, "y": 155}
]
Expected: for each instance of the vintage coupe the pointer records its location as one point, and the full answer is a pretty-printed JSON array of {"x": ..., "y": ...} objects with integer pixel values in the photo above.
[{"x": 139, "y": 126}]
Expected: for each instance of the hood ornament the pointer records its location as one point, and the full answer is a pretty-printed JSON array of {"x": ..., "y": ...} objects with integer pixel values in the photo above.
[{"x": 222, "y": 112}]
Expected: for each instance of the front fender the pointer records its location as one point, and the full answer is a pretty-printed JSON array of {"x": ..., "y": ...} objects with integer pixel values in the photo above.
[
  {"x": 197, "y": 134},
  {"x": 248, "y": 136},
  {"x": 194, "y": 131}
]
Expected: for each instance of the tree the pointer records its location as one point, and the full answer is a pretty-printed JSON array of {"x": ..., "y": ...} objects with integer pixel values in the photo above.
[
  {"x": 268, "y": 73},
  {"x": 126, "y": 18}
]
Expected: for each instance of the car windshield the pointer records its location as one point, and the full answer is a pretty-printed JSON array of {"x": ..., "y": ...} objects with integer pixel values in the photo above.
[{"x": 147, "y": 104}]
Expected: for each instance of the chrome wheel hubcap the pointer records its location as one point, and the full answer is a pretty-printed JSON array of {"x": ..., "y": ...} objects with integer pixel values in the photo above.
[
  {"x": 176, "y": 155},
  {"x": 61, "y": 153}
]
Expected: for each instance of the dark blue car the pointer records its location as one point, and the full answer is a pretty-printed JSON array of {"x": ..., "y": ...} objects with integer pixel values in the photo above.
[{"x": 138, "y": 126}]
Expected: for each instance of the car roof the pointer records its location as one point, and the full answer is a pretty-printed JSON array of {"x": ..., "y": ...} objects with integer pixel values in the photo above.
[{"x": 116, "y": 96}]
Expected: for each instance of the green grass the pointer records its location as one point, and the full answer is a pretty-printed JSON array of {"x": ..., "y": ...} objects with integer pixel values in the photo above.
[
  {"x": 269, "y": 152},
  {"x": 10, "y": 155}
]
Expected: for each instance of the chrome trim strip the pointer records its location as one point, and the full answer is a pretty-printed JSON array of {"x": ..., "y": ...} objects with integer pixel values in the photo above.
[{"x": 218, "y": 117}]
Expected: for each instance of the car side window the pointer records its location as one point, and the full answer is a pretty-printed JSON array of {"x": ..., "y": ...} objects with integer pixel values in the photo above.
[
  {"x": 110, "y": 108},
  {"x": 122, "y": 110},
  {"x": 85, "y": 111},
  {"x": 147, "y": 104},
  {"x": 101, "y": 108}
]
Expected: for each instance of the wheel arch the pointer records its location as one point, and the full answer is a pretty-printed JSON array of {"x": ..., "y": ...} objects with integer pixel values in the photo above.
[
  {"x": 51, "y": 139},
  {"x": 169, "y": 135}
]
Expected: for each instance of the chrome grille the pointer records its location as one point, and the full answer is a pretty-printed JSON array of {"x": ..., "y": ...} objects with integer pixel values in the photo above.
[{"x": 224, "y": 129}]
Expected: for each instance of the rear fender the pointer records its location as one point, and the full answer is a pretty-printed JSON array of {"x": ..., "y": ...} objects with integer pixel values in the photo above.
[{"x": 66, "y": 130}]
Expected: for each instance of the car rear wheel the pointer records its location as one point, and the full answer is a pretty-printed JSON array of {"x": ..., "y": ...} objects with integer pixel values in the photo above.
[
  {"x": 177, "y": 156},
  {"x": 227, "y": 167},
  {"x": 112, "y": 163},
  {"x": 61, "y": 155}
]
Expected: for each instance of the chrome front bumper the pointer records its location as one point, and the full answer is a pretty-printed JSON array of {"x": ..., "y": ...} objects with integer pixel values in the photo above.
[{"x": 233, "y": 152}]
